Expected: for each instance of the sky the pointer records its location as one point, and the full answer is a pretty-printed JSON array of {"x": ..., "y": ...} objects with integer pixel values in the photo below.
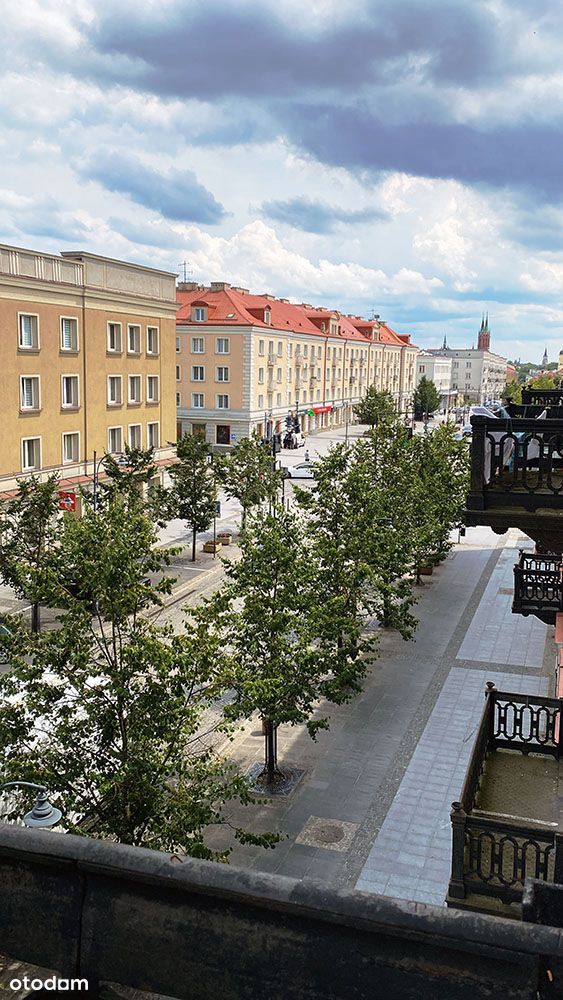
[{"x": 391, "y": 157}]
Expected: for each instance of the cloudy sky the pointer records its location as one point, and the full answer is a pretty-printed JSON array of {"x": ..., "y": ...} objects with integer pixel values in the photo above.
[{"x": 396, "y": 156}]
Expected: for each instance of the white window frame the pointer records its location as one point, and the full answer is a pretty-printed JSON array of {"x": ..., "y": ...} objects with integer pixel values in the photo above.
[
  {"x": 74, "y": 405},
  {"x": 119, "y": 379},
  {"x": 197, "y": 406},
  {"x": 130, "y": 327},
  {"x": 178, "y": 345},
  {"x": 69, "y": 461},
  {"x": 116, "y": 451},
  {"x": 33, "y": 346},
  {"x": 156, "y": 380},
  {"x": 199, "y": 368},
  {"x": 224, "y": 340},
  {"x": 199, "y": 340},
  {"x": 130, "y": 400},
  {"x": 260, "y": 400},
  {"x": 178, "y": 373},
  {"x": 129, "y": 441},
  {"x": 153, "y": 423},
  {"x": 76, "y": 347},
  {"x": 260, "y": 376},
  {"x": 119, "y": 330},
  {"x": 261, "y": 350},
  {"x": 223, "y": 368},
  {"x": 156, "y": 331},
  {"x": 30, "y": 468},
  {"x": 223, "y": 396},
  {"x": 199, "y": 314},
  {"x": 32, "y": 408}
]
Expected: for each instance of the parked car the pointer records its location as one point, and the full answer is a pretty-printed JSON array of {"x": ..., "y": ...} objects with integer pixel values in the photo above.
[{"x": 305, "y": 470}]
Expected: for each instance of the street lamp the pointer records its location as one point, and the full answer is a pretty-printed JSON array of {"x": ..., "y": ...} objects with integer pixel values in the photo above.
[
  {"x": 121, "y": 460},
  {"x": 43, "y": 813}
]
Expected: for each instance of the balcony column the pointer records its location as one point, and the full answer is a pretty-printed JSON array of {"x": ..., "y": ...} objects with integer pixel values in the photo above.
[
  {"x": 458, "y": 817},
  {"x": 476, "y": 498}
]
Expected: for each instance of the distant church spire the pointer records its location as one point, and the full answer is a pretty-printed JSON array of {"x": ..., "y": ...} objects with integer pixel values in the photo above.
[
  {"x": 484, "y": 337},
  {"x": 545, "y": 359},
  {"x": 445, "y": 344}
]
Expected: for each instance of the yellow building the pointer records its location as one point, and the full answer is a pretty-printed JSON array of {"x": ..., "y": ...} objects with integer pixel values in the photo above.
[
  {"x": 244, "y": 362},
  {"x": 87, "y": 362}
]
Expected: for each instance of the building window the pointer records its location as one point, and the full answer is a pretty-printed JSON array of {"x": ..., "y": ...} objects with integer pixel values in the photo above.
[
  {"x": 304, "y": 395},
  {"x": 198, "y": 373},
  {"x": 223, "y": 434},
  {"x": 199, "y": 314},
  {"x": 422, "y": 369},
  {"x": 222, "y": 345},
  {"x": 133, "y": 339},
  {"x": 306, "y": 351},
  {"x": 199, "y": 429},
  {"x": 134, "y": 394},
  {"x": 261, "y": 347},
  {"x": 30, "y": 395},
  {"x": 71, "y": 447},
  {"x": 31, "y": 453},
  {"x": 28, "y": 332},
  {"x": 290, "y": 350},
  {"x": 134, "y": 436},
  {"x": 69, "y": 334},
  {"x": 278, "y": 399},
  {"x": 280, "y": 348},
  {"x": 198, "y": 401},
  {"x": 197, "y": 345},
  {"x": 318, "y": 393},
  {"x": 69, "y": 392},
  {"x": 153, "y": 435},
  {"x": 468, "y": 364},
  {"x": 178, "y": 345},
  {"x": 260, "y": 401},
  {"x": 261, "y": 375},
  {"x": 289, "y": 374},
  {"x": 222, "y": 402},
  {"x": 152, "y": 340},
  {"x": 178, "y": 399},
  {"x": 114, "y": 338},
  {"x": 152, "y": 389},
  {"x": 115, "y": 440},
  {"x": 279, "y": 375},
  {"x": 222, "y": 375},
  {"x": 178, "y": 373},
  {"x": 114, "y": 390}
]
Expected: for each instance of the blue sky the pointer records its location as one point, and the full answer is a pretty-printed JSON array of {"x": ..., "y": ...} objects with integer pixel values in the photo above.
[{"x": 398, "y": 156}]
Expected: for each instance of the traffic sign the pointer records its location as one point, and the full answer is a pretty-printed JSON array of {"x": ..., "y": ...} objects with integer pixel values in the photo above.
[
  {"x": 218, "y": 508},
  {"x": 233, "y": 437},
  {"x": 67, "y": 500}
]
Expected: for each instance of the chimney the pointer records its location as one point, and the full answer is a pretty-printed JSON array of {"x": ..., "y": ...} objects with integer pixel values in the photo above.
[
  {"x": 219, "y": 286},
  {"x": 188, "y": 286}
]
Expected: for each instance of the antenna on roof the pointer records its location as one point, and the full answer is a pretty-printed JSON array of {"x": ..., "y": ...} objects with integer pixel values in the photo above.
[
  {"x": 374, "y": 315},
  {"x": 186, "y": 270}
]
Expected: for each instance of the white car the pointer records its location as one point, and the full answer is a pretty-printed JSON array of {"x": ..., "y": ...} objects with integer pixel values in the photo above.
[{"x": 305, "y": 470}]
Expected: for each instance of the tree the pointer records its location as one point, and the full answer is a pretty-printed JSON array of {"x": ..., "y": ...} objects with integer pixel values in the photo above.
[
  {"x": 512, "y": 393},
  {"x": 108, "y": 714},
  {"x": 542, "y": 382},
  {"x": 247, "y": 474},
  {"x": 133, "y": 476},
  {"x": 28, "y": 542},
  {"x": 193, "y": 494},
  {"x": 375, "y": 407},
  {"x": 426, "y": 396}
]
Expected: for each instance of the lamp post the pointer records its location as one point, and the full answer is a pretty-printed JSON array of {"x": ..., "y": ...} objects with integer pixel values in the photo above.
[
  {"x": 121, "y": 460},
  {"x": 42, "y": 813}
]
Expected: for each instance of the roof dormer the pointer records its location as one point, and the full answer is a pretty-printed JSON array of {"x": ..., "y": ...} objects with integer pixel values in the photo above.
[{"x": 200, "y": 311}]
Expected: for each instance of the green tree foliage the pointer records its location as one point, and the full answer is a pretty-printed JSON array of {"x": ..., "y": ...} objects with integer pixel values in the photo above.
[
  {"x": 426, "y": 396},
  {"x": 28, "y": 541},
  {"x": 512, "y": 393},
  {"x": 542, "y": 382},
  {"x": 107, "y": 713},
  {"x": 375, "y": 407},
  {"x": 193, "y": 494},
  {"x": 247, "y": 474},
  {"x": 134, "y": 475}
]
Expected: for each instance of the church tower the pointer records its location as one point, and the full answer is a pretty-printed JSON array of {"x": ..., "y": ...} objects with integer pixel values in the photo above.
[
  {"x": 484, "y": 338},
  {"x": 545, "y": 359}
]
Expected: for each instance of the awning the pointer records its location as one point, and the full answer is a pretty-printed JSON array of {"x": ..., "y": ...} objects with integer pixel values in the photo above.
[{"x": 322, "y": 409}]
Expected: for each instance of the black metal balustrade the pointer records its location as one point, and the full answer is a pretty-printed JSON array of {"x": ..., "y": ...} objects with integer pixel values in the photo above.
[
  {"x": 493, "y": 853},
  {"x": 538, "y": 586},
  {"x": 543, "y": 397}
]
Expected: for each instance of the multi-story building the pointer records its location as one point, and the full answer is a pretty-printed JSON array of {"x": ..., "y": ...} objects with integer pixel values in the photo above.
[
  {"x": 87, "y": 355},
  {"x": 244, "y": 362},
  {"x": 438, "y": 369},
  {"x": 478, "y": 375}
]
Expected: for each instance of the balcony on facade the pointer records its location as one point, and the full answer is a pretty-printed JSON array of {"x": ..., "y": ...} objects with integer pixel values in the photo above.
[
  {"x": 507, "y": 825},
  {"x": 543, "y": 397},
  {"x": 517, "y": 477},
  {"x": 538, "y": 586}
]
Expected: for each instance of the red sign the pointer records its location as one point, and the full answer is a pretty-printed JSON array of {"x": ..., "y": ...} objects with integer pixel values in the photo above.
[
  {"x": 322, "y": 409},
  {"x": 67, "y": 501}
]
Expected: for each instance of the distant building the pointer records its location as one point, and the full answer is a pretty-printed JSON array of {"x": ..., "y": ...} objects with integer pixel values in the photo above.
[
  {"x": 511, "y": 373},
  {"x": 437, "y": 368},
  {"x": 477, "y": 373}
]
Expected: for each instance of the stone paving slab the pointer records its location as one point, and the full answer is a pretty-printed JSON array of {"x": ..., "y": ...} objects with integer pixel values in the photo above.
[{"x": 411, "y": 855}]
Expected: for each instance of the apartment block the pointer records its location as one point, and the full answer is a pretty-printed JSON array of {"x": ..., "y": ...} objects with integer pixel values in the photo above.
[
  {"x": 244, "y": 362},
  {"x": 87, "y": 360}
]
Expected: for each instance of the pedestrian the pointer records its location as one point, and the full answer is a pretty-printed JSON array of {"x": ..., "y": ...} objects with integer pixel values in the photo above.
[{"x": 306, "y": 454}]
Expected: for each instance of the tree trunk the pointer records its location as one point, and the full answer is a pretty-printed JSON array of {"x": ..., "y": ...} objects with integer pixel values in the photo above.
[
  {"x": 386, "y": 610},
  {"x": 194, "y": 538},
  {"x": 36, "y": 617},
  {"x": 270, "y": 752},
  {"x": 419, "y": 579},
  {"x": 243, "y": 522}
]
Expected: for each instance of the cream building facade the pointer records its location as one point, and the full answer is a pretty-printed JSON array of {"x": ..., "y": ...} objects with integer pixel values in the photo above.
[
  {"x": 87, "y": 361},
  {"x": 245, "y": 362}
]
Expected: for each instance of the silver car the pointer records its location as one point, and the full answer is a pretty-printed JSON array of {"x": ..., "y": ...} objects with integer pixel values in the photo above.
[{"x": 305, "y": 470}]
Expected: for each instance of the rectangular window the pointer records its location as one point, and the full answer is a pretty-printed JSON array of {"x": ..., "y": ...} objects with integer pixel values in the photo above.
[
  {"x": 197, "y": 345},
  {"x": 114, "y": 338},
  {"x": 178, "y": 399},
  {"x": 69, "y": 333},
  {"x": 279, "y": 375},
  {"x": 115, "y": 440},
  {"x": 31, "y": 453},
  {"x": 222, "y": 402},
  {"x": 178, "y": 345},
  {"x": 198, "y": 400},
  {"x": 278, "y": 399},
  {"x": 222, "y": 345},
  {"x": 223, "y": 434},
  {"x": 198, "y": 373},
  {"x": 133, "y": 339},
  {"x": 134, "y": 436},
  {"x": 199, "y": 314},
  {"x": 30, "y": 396},
  {"x": 178, "y": 373},
  {"x": 289, "y": 374},
  {"x": 290, "y": 350},
  {"x": 306, "y": 351},
  {"x": 280, "y": 348},
  {"x": 71, "y": 447},
  {"x": 152, "y": 389},
  {"x": 152, "y": 340},
  {"x": 114, "y": 390},
  {"x": 69, "y": 392},
  {"x": 28, "y": 332},
  {"x": 222, "y": 375},
  {"x": 261, "y": 347},
  {"x": 260, "y": 401},
  {"x": 134, "y": 391},
  {"x": 153, "y": 435},
  {"x": 261, "y": 375}
]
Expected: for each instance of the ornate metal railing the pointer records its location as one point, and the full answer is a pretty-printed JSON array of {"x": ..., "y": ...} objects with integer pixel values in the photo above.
[
  {"x": 493, "y": 855},
  {"x": 538, "y": 586},
  {"x": 543, "y": 397}
]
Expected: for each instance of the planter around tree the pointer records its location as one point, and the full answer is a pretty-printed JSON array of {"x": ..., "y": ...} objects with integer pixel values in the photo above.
[
  {"x": 211, "y": 546},
  {"x": 224, "y": 537},
  {"x": 426, "y": 570}
]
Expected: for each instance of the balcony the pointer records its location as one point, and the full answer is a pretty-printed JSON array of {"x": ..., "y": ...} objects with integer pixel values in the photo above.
[
  {"x": 271, "y": 360},
  {"x": 543, "y": 397},
  {"x": 517, "y": 477},
  {"x": 538, "y": 586},
  {"x": 507, "y": 826}
]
